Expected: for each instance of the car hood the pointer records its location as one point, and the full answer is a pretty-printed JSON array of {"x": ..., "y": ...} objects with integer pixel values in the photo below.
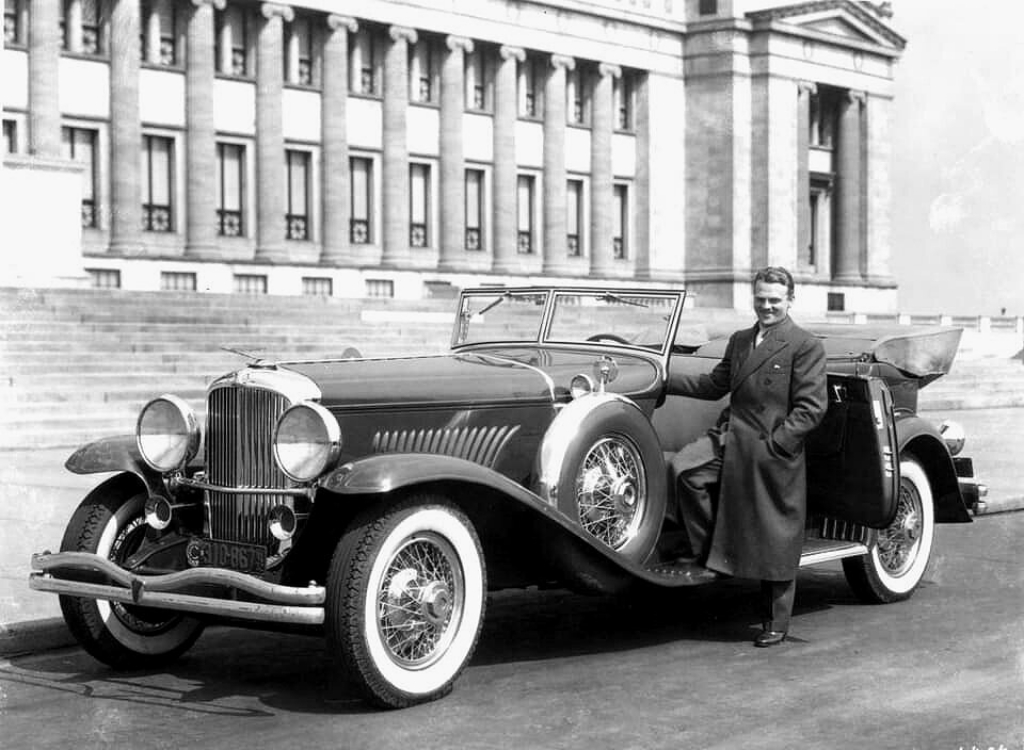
[{"x": 466, "y": 378}]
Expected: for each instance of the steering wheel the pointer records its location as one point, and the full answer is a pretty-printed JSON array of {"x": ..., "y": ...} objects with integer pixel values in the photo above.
[{"x": 608, "y": 337}]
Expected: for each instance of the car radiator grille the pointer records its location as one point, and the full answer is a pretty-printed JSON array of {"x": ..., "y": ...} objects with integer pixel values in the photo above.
[{"x": 239, "y": 453}]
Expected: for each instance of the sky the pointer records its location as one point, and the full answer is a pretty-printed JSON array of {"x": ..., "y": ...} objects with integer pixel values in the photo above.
[{"x": 958, "y": 157}]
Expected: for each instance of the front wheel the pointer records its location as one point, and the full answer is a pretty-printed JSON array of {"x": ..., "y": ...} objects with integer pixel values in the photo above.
[
  {"x": 896, "y": 561},
  {"x": 406, "y": 598},
  {"x": 111, "y": 522}
]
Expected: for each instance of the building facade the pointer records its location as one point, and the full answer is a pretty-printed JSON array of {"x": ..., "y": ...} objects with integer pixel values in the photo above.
[{"x": 393, "y": 147}]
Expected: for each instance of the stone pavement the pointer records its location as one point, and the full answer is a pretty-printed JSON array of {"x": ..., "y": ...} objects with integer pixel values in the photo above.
[{"x": 38, "y": 496}]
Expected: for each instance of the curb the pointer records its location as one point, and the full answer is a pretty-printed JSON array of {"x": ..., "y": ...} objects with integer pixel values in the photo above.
[{"x": 34, "y": 636}]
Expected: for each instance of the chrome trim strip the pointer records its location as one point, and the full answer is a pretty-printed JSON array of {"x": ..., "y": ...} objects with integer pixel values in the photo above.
[
  {"x": 836, "y": 553},
  {"x": 203, "y": 485}
]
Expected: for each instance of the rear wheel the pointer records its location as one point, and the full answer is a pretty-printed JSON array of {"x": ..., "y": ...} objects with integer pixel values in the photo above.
[
  {"x": 406, "y": 597},
  {"x": 896, "y": 561},
  {"x": 112, "y": 524}
]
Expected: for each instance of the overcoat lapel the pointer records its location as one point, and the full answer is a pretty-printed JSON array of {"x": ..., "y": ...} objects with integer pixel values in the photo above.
[{"x": 756, "y": 357}]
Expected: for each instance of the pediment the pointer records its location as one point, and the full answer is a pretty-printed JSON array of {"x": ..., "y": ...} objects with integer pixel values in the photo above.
[{"x": 840, "y": 18}]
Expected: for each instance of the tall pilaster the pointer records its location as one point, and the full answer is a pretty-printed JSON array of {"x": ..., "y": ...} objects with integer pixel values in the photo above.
[
  {"x": 396, "y": 151},
  {"x": 602, "y": 261},
  {"x": 453, "y": 170},
  {"x": 270, "y": 199},
  {"x": 504, "y": 177},
  {"x": 125, "y": 129},
  {"x": 43, "y": 66},
  {"x": 555, "y": 258},
  {"x": 878, "y": 190},
  {"x": 804, "y": 256},
  {"x": 337, "y": 248},
  {"x": 201, "y": 148},
  {"x": 849, "y": 189}
]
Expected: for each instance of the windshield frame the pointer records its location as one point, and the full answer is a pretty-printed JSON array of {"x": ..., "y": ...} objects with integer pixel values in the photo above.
[{"x": 551, "y": 294}]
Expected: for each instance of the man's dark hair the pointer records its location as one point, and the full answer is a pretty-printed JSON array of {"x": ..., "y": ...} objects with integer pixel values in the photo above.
[{"x": 776, "y": 275}]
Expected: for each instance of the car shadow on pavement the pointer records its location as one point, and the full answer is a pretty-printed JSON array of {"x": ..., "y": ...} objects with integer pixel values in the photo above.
[{"x": 250, "y": 674}]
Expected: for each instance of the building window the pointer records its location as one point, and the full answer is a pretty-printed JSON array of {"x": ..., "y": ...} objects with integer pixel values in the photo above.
[
  {"x": 158, "y": 183},
  {"x": 297, "y": 218},
  {"x": 104, "y": 278},
  {"x": 361, "y": 215},
  {"x": 577, "y": 96},
  {"x": 230, "y": 189},
  {"x": 419, "y": 205},
  {"x": 836, "y": 302},
  {"x": 317, "y": 286},
  {"x": 383, "y": 288},
  {"x": 423, "y": 71},
  {"x": 824, "y": 116},
  {"x": 574, "y": 218},
  {"x": 819, "y": 234},
  {"x": 82, "y": 30},
  {"x": 707, "y": 7},
  {"x": 479, "y": 80},
  {"x": 249, "y": 283},
  {"x": 177, "y": 281},
  {"x": 623, "y": 94},
  {"x": 79, "y": 144},
  {"x": 299, "y": 52},
  {"x": 474, "y": 209},
  {"x": 524, "y": 212},
  {"x": 530, "y": 82},
  {"x": 159, "y": 33},
  {"x": 232, "y": 42},
  {"x": 366, "y": 58},
  {"x": 14, "y": 32},
  {"x": 620, "y": 221},
  {"x": 10, "y": 137}
]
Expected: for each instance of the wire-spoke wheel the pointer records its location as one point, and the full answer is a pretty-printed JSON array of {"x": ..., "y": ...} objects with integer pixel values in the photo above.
[
  {"x": 611, "y": 490},
  {"x": 406, "y": 597},
  {"x": 897, "y": 559}
]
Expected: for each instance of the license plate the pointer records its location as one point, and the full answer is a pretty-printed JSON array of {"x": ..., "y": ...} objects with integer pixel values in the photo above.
[{"x": 213, "y": 553}]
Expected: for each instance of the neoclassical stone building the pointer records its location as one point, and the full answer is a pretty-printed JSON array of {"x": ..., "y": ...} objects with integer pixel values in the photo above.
[{"x": 389, "y": 147}]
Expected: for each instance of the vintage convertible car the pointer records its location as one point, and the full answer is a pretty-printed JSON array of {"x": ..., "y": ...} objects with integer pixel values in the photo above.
[{"x": 378, "y": 500}]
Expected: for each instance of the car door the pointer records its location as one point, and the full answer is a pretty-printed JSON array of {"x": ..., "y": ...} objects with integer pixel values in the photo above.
[{"x": 852, "y": 461}]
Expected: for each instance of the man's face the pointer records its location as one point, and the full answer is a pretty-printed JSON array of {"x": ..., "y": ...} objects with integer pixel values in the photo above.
[{"x": 771, "y": 303}]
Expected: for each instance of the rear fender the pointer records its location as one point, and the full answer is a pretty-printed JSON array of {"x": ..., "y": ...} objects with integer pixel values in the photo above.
[
  {"x": 922, "y": 439},
  {"x": 118, "y": 453}
]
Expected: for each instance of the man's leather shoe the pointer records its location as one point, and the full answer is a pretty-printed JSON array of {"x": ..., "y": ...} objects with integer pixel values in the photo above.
[{"x": 768, "y": 638}]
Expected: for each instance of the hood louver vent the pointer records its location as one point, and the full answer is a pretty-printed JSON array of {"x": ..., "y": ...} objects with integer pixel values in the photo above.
[{"x": 480, "y": 445}]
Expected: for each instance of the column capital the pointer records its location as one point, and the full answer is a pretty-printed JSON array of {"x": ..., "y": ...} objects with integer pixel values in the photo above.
[
  {"x": 507, "y": 53},
  {"x": 609, "y": 69},
  {"x": 398, "y": 33},
  {"x": 806, "y": 87},
  {"x": 336, "y": 22},
  {"x": 217, "y": 4},
  {"x": 856, "y": 97},
  {"x": 456, "y": 43},
  {"x": 562, "y": 61},
  {"x": 270, "y": 10}
]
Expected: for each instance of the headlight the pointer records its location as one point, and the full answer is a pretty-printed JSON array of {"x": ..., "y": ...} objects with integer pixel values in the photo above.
[
  {"x": 953, "y": 435},
  {"x": 307, "y": 441},
  {"x": 167, "y": 433}
]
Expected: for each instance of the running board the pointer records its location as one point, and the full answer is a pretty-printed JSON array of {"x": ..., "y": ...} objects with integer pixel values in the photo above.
[{"x": 824, "y": 550}]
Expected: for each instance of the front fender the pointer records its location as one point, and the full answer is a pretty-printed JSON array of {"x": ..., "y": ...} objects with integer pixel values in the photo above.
[
  {"x": 921, "y": 438},
  {"x": 119, "y": 453}
]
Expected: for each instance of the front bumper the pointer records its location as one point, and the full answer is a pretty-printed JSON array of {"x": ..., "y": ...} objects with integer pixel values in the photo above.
[{"x": 273, "y": 602}]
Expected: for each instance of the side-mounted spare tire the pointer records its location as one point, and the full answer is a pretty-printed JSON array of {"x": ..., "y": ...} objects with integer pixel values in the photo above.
[{"x": 601, "y": 464}]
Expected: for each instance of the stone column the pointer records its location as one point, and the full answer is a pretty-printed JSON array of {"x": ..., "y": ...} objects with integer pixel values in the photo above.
[
  {"x": 125, "y": 129},
  {"x": 805, "y": 91},
  {"x": 43, "y": 67},
  {"x": 453, "y": 180},
  {"x": 505, "y": 176},
  {"x": 602, "y": 259},
  {"x": 396, "y": 152},
  {"x": 270, "y": 174},
  {"x": 201, "y": 143},
  {"x": 878, "y": 190},
  {"x": 337, "y": 249},
  {"x": 555, "y": 259},
  {"x": 72, "y": 26},
  {"x": 849, "y": 189},
  {"x": 151, "y": 23}
]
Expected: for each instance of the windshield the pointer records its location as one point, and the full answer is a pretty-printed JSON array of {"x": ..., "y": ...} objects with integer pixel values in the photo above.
[{"x": 567, "y": 316}]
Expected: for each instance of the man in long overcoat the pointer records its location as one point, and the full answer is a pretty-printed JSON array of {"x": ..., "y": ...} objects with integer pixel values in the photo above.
[{"x": 774, "y": 373}]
